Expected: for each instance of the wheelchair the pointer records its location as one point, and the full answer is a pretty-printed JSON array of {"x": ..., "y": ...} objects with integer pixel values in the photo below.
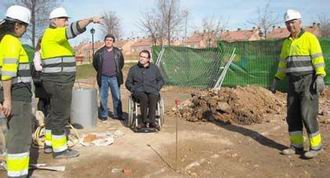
[{"x": 134, "y": 112}]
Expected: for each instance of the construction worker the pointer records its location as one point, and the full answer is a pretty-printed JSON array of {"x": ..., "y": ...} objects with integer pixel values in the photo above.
[
  {"x": 15, "y": 94},
  {"x": 301, "y": 60},
  {"x": 58, "y": 76}
]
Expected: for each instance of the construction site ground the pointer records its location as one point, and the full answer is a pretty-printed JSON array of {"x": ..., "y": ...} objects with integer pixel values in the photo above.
[{"x": 205, "y": 148}]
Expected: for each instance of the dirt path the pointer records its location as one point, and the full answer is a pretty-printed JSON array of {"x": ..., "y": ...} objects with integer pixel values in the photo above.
[{"x": 206, "y": 149}]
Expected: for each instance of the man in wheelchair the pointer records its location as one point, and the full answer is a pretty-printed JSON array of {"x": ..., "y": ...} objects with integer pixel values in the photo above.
[{"x": 144, "y": 81}]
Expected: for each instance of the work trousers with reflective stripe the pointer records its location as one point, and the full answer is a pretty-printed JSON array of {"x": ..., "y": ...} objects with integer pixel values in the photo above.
[
  {"x": 303, "y": 106},
  {"x": 19, "y": 139},
  {"x": 60, "y": 105}
]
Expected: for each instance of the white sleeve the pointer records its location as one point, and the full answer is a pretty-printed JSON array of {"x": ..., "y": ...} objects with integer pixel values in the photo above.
[{"x": 37, "y": 61}]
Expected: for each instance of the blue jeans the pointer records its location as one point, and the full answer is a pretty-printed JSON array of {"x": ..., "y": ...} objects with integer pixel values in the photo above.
[{"x": 110, "y": 82}]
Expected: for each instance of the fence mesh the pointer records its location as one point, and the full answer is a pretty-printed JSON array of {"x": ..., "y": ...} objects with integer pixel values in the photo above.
[{"x": 255, "y": 63}]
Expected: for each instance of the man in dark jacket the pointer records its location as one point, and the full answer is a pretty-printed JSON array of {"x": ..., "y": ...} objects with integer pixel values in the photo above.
[
  {"x": 108, "y": 63},
  {"x": 145, "y": 81}
]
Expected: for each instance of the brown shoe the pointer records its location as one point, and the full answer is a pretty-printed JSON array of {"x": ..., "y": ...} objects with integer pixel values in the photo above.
[{"x": 154, "y": 125}]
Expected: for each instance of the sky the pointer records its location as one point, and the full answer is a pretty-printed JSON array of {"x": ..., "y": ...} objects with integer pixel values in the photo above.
[{"x": 235, "y": 13}]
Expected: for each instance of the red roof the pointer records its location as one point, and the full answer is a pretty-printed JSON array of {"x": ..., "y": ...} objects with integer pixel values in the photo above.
[
  {"x": 143, "y": 42},
  {"x": 240, "y": 35}
]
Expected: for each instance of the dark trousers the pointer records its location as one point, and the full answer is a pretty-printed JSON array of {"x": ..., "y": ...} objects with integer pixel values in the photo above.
[
  {"x": 19, "y": 133},
  {"x": 60, "y": 106},
  {"x": 147, "y": 101},
  {"x": 44, "y": 105},
  {"x": 302, "y": 104}
]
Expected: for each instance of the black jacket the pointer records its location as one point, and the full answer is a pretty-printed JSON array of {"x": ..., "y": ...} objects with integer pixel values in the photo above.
[
  {"x": 142, "y": 79},
  {"x": 98, "y": 62}
]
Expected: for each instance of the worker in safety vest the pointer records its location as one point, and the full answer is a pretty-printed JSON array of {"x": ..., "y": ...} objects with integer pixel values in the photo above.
[
  {"x": 15, "y": 94},
  {"x": 301, "y": 60},
  {"x": 58, "y": 76}
]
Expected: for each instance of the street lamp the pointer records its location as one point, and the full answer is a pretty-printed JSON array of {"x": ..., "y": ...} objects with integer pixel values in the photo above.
[{"x": 92, "y": 32}]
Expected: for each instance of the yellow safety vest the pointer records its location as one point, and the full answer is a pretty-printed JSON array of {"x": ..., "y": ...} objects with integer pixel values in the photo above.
[
  {"x": 14, "y": 61},
  {"x": 301, "y": 56},
  {"x": 56, "y": 53}
]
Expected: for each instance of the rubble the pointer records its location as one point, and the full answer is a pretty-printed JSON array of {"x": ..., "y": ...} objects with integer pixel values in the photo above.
[{"x": 241, "y": 105}]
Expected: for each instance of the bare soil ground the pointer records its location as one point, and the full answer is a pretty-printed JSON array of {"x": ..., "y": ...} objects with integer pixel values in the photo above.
[{"x": 240, "y": 139}]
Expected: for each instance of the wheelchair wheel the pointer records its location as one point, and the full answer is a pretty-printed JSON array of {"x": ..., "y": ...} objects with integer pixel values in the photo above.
[
  {"x": 130, "y": 121},
  {"x": 161, "y": 111}
]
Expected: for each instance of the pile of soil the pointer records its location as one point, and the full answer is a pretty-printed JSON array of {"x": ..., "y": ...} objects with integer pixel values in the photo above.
[{"x": 241, "y": 105}]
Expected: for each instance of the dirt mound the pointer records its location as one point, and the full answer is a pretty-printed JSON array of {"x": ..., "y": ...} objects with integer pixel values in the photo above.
[{"x": 242, "y": 105}]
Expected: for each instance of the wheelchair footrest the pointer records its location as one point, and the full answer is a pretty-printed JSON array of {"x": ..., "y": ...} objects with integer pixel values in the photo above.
[{"x": 145, "y": 130}]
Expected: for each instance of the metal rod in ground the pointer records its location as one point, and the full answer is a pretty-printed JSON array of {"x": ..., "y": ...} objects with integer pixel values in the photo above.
[{"x": 176, "y": 135}]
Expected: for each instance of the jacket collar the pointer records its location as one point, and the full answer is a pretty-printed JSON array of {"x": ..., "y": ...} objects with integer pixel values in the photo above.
[{"x": 302, "y": 31}]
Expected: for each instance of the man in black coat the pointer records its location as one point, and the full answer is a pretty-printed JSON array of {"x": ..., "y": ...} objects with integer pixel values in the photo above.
[
  {"x": 144, "y": 81},
  {"x": 108, "y": 63}
]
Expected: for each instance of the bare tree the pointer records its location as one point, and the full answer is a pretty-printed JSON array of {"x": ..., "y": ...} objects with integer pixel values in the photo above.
[
  {"x": 112, "y": 24},
  {"x": 163, "y": 21},
  {"x": 266, "y": 19},
  {"x": 185, "y": 16},
  {"x": 40, "y": 10},
  {"x": 153, "y": 27},
  {"x": 324, "y": 25},
  {"x": 212, "y": 28},
  {"x": 172, "y": 17}
]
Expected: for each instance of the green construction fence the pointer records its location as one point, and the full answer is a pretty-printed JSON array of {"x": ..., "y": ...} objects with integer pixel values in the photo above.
[{"x": 255, "y": 63}]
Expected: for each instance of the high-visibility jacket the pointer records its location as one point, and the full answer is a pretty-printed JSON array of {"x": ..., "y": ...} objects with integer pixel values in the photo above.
[
  {"x": 301, "y": 56},
  {"x": 14, "y": 61},
  {"x": 56, "y": 52},
  {"x": 14, "y": 64}
]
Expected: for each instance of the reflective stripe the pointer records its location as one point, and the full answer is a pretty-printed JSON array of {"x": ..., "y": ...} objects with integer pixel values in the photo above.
[
  {"x": 317, "y": 55},
  {"x": 315, "y": 140},
  {"x": 69, "y": 69},
  {"x": 296, "y": 133},
  {"x": 59, "y": 143},
  {"x": 10, "y": 61},
  {"x": 58, "y": 69},
  {"x": 48, "y": 137},
  {"x": 24, "y": 67},
  {"x": 18, "y": 173},
  {"x": 314, "y": 134},
  {"x": 319, "y": 65},
  {"x": 74, "y": 27},
  {"x": 51, "y": 69},
  {"x": 297, "y": 139},
  {"x": 21, "y": 80},
  {"x": 58, "y": 60},
  {"x": 18, "y": 155},
  {"x": 18, "y": 164},
  {"x": 8, "y": 73},
  {"x": 300, "y": 69},
  {"x": 69, "y": 33},
  {"x": 298, "y": 58}
]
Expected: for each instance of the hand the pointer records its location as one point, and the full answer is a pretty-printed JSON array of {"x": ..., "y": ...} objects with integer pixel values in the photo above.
[
  {"x": 273, "y": 86},
  {"x": 320, "y": 84},
  {"x": 6, "y": 108},
  {"x": 97, "y": 19}
]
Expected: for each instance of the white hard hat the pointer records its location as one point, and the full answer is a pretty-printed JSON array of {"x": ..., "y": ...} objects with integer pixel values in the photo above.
[
  {"x": 58, "y": 12},
  {"x": 291, "y": 14},
  {"x": 20, "y": 13}
]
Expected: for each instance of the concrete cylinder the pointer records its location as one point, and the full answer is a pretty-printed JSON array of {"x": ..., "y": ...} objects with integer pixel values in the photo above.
[{"x": 84, "y": 107}]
